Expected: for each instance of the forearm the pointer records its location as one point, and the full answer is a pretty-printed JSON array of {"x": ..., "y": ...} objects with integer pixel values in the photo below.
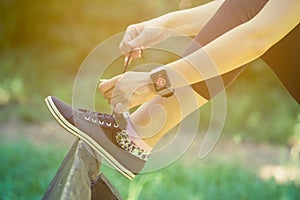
[
  {"x": 190, "y": 21},
  {"x": 222, "y": 55},
  {"x": 238, "y": 46}
]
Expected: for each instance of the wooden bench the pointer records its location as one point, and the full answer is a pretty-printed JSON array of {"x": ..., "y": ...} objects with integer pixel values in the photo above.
[{"x": 78, "y": 177}]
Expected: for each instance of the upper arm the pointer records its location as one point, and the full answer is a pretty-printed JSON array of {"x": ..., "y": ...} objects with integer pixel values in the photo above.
[{"x": 252, "y": 39}]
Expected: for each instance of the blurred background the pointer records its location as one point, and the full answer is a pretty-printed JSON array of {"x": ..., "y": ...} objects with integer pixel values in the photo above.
[{"x": 42, "y": 45}]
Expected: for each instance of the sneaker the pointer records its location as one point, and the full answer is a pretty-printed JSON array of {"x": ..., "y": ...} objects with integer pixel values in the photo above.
[{"x": 102, "y": 134}]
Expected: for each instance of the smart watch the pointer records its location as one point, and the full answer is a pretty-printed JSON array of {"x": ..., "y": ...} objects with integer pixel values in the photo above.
[{"x": 161, "y": 82}]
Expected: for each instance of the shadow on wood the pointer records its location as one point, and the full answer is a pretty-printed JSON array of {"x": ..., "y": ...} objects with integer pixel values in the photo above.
[{"x": 77, "y": 177}]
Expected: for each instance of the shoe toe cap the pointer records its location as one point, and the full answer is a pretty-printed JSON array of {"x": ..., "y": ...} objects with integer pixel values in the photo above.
[{"x": 66, "y": 110}]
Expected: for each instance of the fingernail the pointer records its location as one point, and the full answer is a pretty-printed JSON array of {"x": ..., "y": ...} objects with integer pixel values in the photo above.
[{"x": 101, "y": 80}]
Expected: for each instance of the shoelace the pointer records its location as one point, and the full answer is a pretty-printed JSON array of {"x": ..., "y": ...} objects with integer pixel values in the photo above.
[
  {"x": 121, "y": 137},
  {"x": 100, "y": 118}
]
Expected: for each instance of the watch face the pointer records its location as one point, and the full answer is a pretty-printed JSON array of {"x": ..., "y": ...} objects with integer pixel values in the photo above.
[{"x": 160, "y": 81}]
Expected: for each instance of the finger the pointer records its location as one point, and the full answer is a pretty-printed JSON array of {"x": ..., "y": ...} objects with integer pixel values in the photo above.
[
  {"x": 138, "y": 42},
  {"x": 106, "y": 85},
  {"x": 120, "y": 103},
  {"x": 125, "y": 48},
  {"x": 135, "y": 53},
  {"x": 102, "y": 80},
  {"x": 129, "y": 35},
  {"x": 120, "y": 107},
  {"x": 133, "y": 41},
  {"x": 109, "y": 94},
  {"x": 146, "y": 38}
]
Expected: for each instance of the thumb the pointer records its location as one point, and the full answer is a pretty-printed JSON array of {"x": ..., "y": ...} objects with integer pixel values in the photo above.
[{"x": 106, "y": 85}]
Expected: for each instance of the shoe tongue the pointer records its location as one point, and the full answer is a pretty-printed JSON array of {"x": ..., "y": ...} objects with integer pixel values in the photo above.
[{"x": 121, "y": 119}]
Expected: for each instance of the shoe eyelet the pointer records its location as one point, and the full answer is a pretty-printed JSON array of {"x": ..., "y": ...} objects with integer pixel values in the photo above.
[
  {"x": 108, "y": 123},
  {"x": 94, "y": 120},
  {"x": 86, "y": 118},
  {"x": 101, "y": 122},
  {"x": 116, "y": 125}
]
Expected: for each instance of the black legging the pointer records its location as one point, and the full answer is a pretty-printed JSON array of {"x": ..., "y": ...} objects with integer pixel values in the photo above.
[{"x": 282, "y": 58}]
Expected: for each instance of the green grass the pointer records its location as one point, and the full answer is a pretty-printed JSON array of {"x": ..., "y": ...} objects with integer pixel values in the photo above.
[
  {"x": 214, "y": 180},
  {"x": 258, "y": 108},
  {"x": 27, "y": 170}
]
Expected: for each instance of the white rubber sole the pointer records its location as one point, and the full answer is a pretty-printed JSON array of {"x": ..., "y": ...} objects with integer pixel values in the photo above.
[{"x": 78, "y": 133}]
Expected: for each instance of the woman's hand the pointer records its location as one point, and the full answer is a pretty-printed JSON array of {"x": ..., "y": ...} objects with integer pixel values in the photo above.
[
  {"x": 127, "y": 90},
  {"x": 143, "y": 35}
]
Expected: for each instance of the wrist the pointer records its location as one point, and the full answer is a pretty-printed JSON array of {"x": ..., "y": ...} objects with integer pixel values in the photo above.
[
  {"x": 149, "y": 84},
  {"x": 169, "y": 21}
]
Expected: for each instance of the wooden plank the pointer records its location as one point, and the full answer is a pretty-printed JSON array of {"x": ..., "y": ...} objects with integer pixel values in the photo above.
[
  {"x": 57, "y": 184},
  {"x": 103, "y": 189},
  {"x": 72, "y": 181},
  {"x": 75, "y": 177}
]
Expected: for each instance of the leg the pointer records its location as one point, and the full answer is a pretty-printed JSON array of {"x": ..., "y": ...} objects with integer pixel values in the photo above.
[
  {"x": 283, "y": 59},
  {"x": 231, "y": 14},
  {"x": 157, "y": 117}
]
